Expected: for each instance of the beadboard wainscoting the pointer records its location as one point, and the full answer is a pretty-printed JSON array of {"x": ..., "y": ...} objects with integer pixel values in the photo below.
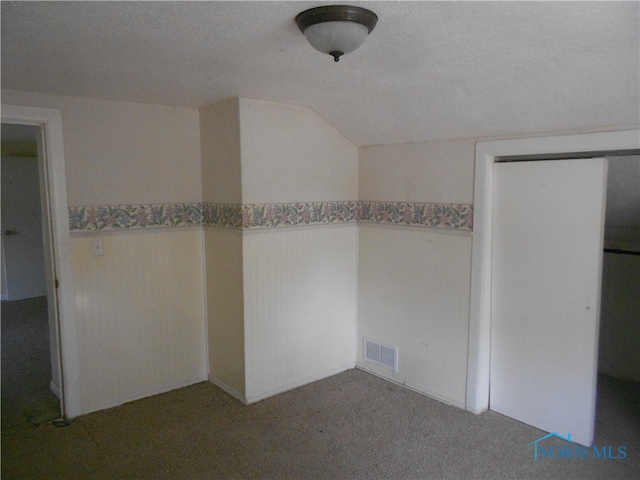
[
  {"x": 140, "y": 313},
  {"x": 261, "y": 298},
  {"x": 401, "y": 302},
  {"x": 300, "y": 288},
  {"x": 225, "y": 309}
]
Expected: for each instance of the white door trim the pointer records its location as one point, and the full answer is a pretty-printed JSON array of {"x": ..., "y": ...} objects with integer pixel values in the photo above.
[
  {"x": 51, "y": 121},
  {"x": 478, "y": 367}
]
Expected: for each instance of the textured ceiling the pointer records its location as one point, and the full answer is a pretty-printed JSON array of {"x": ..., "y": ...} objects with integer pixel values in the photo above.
[{"x": 429, "y": 70}]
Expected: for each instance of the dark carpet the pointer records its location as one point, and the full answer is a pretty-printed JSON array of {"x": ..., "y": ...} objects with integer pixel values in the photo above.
[
  {"x": 351, "y": 425},
  {"x": 26, "y": 365}
]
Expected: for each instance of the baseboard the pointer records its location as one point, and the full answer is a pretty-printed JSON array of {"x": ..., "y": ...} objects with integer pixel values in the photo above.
[
  {"x": 418, "y": 389},
  {"x": 314, "y": 378},
  {"x": 231, "y": 391},
  {"x": 476, "y": 411},
  {"x": 148, "y": 393},
  {"x": 54, "y": 388}
]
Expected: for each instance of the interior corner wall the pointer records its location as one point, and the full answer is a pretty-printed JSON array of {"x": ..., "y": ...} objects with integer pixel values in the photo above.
[
  {"x": 140, "y": 306},
  {"x": 414, "y": 281},
  {"x": 222, "y": 185},
  {"x": 300, "y": 280},
  {"x": 220, "y": 152},
  {"x": 225, "y": 310},
  {"x": 291, "y": 154}
]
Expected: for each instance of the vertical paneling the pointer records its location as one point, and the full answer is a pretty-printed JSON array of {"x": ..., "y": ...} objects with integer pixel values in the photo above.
[
  {"x": 225, "y": 309},
  {"x": 300, "y": 306},
  {"x": 141, "y": 327},
  {"x": 414, "y": 294}
]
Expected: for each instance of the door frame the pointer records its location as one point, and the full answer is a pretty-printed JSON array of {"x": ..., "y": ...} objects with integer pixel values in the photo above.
[
  {"x": 487, "y": 153},
  {"x": 50, "y": 120}
]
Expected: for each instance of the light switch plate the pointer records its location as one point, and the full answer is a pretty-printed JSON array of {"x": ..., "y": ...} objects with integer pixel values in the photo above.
[{"x": 97, "y": 247}]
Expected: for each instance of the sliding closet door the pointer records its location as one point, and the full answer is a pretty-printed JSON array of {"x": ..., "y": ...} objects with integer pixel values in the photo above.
[{"x": 548, "y": 222}]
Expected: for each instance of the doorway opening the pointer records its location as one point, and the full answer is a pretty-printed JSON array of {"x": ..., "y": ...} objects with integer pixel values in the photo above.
[
  {"x": 31, "y": 380},
  {"x": 606, "y": 144},
  {"x": 618, "y": 393},
  {"x": 58, "y": 266}
]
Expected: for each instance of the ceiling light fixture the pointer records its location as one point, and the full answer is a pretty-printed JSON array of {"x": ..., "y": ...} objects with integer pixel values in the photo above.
[{"x": 336, "y": 29}]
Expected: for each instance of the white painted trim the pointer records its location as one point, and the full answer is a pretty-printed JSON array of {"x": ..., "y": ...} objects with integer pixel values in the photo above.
[
  {"x": 299, "y": 383},
  {"x": 133, "y": 231},
  {"x": 411, "y": 386},
  {"x": 288, "y": 228},
  {"x": 478, "y": 368},
  {"x": 226, "y": 388},
  {"x": 4, "y": 296},
  {"x": 414, "y": 228},
  {"x": 54, "y": 388},
  {"x": 148, "y": 393},
  {"x": 51, "y": 121},
  {"x": 205, "y": 301}
]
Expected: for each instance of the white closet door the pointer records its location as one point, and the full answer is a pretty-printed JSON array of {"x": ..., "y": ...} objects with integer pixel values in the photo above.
[{"x": 548, "y": 227}]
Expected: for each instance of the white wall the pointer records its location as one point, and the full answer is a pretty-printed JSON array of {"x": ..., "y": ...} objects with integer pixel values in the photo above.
[
  {"x": 414, "y": 282},
  {"x": 300, "y": 306},
  {"x": 220, "y": 151},
  {"x": 125, "y": 152},
  {"x": 140, "y": 315},
  {"x": 140, "y": 307},
  {"x": 291, "y": 154},
  {"x": 225, "y": 309},
  {"x": 281, "y": 300},
  {"x": 414, "y": 294},
  {"x": 300, "y": 282},
  {"x": 431, "y": 172},
  {"x": 221, "y": 183}
]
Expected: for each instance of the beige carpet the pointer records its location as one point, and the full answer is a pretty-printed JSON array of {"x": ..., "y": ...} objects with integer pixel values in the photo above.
[{"x": 352, "y": 425}]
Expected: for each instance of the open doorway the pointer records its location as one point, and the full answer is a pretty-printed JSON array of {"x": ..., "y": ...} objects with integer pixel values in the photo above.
[
  {"x": 30, "y": 356},
  {"x": 546, "y": 268},
  {"x": 619, "y": 344},
  {"x": 51, "y": 151},
  {"x": 52, "y": 169},
  {"x": 543, "y": 352},
  {"x": 619, "y": 340},
  {"x": 622, "y": 143}
]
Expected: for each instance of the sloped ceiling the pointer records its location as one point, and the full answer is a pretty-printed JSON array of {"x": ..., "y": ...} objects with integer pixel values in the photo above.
[{"x": 429, "y": 70}]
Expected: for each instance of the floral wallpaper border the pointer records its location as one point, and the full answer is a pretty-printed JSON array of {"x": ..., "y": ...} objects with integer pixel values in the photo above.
[
  {"x": 126, "y": 217},
  {"x": 431, "y": 215},
  {"x": 269, "y": 215},
  {"x": 222, "y": 214}
]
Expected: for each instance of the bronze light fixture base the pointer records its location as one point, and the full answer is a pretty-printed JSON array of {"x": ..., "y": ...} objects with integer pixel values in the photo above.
[{"x": 320, "y": 26}]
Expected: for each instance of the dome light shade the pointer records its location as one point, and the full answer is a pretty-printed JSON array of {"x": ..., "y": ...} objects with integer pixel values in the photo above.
[{"x": 336, "y": 29}]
